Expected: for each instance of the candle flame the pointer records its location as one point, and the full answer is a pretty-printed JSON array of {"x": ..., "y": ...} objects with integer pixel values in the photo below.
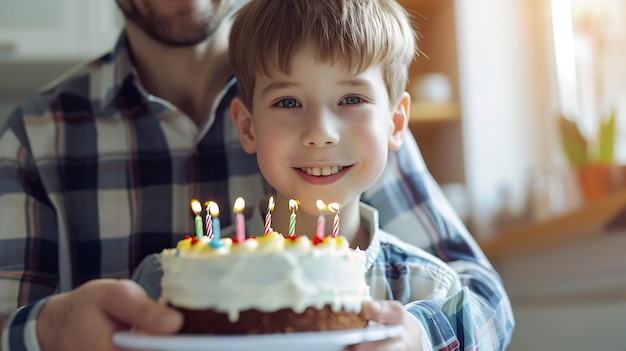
[
  {"x": 214, "y": 209},
  {"x": 196, "y": 207},
  {"x": 239, "y": 205},
  {"x": 270, "y": 206},
  {"x": 320, "y": 205},
  {"x": 293, "y": 205},
  {"x": 334, "y": 207}
]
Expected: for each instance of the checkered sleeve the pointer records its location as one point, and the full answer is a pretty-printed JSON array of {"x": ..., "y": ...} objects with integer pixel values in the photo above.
[
  {"x": 28, "y": 251},
  {"x": 20, "y": 332},
  {"x": 413, "y": 207}
]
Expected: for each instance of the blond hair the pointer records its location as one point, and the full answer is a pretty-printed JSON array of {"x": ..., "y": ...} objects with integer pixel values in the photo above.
[{"x": 356, "y": 33}]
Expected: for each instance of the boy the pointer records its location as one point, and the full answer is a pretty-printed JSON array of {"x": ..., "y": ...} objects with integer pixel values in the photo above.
[
  {"x": 322, "y": 101},
  {"x": 321, "y": 113}
]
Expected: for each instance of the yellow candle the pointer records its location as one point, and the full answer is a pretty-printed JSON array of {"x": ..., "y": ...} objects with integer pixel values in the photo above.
[{"x": 196, "y": 207}]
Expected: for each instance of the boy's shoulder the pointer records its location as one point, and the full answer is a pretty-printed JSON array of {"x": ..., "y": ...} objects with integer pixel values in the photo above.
[{"x": 389, "y": 248}]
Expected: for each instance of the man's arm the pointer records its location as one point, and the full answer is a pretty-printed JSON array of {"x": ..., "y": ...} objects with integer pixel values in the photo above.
[
  {"x": 20, "y": 331},
  {"x": 86, "y": 316},
  {"x": 3, "y": 322},
  {"x": 413, "y": 207},
  {"x": 28, "y": 239}
]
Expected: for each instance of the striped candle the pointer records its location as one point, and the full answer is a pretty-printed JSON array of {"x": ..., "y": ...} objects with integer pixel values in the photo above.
[
  {"x": 293, "y": 206},
  {"x": 334, "y": 207},
  {"x": 208, "y": 223},
  {"x": 321, "y": 221},
  {"x": 268, "y": 216},
  {"x": 215, "y": 224}
]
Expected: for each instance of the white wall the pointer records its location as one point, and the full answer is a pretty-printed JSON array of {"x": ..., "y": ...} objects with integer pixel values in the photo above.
[
  {"x": 21, "y": 79},
  {"x": 588, "y": 326},
  {"x": 510, "y": 107},
  {"x": 570, "y": 295},
  {"x": 507, "y": 94}
]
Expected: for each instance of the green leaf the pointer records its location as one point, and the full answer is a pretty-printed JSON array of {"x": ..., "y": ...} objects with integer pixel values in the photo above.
[
  {"x": 607, "y": 139},
  {"x": 573, "y": 142}
]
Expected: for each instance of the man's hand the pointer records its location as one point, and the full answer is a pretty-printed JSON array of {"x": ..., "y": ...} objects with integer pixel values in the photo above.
[
  {"x": 87, "y": 317},
  {"x": 390, "y": 313}
]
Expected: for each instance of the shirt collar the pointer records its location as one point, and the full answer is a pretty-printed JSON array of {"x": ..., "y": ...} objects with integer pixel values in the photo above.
[
  {"x": 369, "y": 219},
  {"x": 115, "y": 70}
]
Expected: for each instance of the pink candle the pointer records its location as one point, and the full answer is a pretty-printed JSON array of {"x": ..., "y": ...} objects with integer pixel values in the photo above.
[
  {"x": 334, "y": 207},
  {"x": 321, "y": 221},
  {"x": 240, "y": 221},
  {"x": 268, "y": 216}
]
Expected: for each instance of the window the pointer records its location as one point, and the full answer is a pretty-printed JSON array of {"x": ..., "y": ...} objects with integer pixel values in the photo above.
[{"x": 590, "y": 50}]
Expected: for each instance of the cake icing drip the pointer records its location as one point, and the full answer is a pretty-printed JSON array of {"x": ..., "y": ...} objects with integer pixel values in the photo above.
[{"x": 266, "y": 273}]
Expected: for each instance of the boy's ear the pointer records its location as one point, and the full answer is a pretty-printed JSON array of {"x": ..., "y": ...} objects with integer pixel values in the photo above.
[
  {"x": 242, "y": 118},
  {"x": 400, "y": 121}
]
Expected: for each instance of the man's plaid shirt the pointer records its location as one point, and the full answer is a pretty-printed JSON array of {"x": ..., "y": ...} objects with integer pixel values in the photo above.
[{"x": 96, "y": 173}]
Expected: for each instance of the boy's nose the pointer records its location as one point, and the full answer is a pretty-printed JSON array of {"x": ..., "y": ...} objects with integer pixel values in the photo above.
[{"x": 321, "y": 130}]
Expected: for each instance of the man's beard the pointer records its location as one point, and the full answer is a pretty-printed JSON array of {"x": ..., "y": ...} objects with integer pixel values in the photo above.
[{"x": 177, "y": 30}]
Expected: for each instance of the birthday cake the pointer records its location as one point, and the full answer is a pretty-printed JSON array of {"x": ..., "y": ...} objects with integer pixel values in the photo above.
[{"x": 265, "y": 284}]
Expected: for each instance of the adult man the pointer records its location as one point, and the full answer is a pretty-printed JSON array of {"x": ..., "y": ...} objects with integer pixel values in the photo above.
[{"x": 97, "y": 173}]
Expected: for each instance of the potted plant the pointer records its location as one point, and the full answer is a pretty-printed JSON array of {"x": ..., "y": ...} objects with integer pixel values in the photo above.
[{"x": 591, "y": 161}]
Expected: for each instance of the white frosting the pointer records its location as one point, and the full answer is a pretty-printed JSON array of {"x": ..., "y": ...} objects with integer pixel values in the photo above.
[{"x": 267, "y": 274}]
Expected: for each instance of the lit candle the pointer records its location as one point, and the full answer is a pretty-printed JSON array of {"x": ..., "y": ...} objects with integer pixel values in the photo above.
[
  {"x": 214, "y": 210},
  {"x": 334, "y": 207},
  {"x": 196, "y": 207},
  {"x": 268, "y": 216},
  {"x": 293, "y": 206},
  {"x": 208, "y": 223},
  {"x": 240, "y": 221},
  {"x": 321, "y": 221}
]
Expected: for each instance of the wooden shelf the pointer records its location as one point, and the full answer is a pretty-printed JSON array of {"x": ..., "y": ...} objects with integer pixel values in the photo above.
[
  {"x": 594, "y": 220},
  {"x": 428, "y": 112},
  {"x": 437, "y": 128}
]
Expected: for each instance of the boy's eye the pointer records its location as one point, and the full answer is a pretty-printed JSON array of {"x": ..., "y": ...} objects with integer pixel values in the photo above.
[
  {"x": 288, "y": 102},
  {"x": 351, "y": 100}
]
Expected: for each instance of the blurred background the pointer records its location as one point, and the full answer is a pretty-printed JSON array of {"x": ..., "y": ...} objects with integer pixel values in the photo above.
[{"x": 519, "y": 108}]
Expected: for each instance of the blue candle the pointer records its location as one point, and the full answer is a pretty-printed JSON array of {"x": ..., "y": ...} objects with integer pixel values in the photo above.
[{"x": 214, "y": 210}]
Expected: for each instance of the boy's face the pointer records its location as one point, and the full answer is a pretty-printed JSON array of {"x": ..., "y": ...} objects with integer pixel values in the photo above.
[{"x": 321, "y": 132}]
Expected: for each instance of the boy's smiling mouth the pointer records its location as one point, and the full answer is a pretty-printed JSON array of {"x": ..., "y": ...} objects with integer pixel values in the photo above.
[
  {"x": 322, "y": 175},
  {"x": 321, "y": 171}
]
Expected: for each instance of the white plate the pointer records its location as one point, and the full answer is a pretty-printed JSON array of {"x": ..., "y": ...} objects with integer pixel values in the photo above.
[{"x": 318, "y": 341}]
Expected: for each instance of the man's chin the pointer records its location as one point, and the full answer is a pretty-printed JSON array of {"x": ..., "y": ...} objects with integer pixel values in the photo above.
[
  {"x": 183, "y": 29},
  {"x": 180, "y": 41}
]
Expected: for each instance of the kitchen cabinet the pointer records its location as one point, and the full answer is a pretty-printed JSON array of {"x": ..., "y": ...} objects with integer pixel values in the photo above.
[
  {"x": 39, "y": 30},
  {"x": 436, "y": 125}
]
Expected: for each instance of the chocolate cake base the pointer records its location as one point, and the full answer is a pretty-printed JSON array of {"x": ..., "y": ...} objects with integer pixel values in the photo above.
[{"x": 282, "y": 321}]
